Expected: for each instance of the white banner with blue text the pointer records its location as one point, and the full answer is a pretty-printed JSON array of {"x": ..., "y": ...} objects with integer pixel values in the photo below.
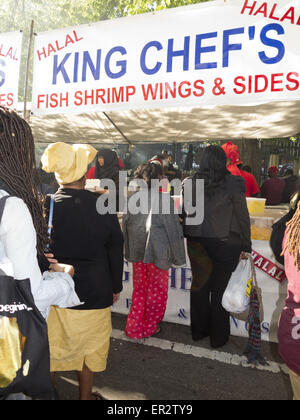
[
  {"x": 236, "y": 52},
  {"x": 10, "y": 59}
]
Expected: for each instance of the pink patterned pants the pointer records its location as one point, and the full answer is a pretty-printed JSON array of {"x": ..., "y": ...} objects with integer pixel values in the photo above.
[{"x": 149, "y": 300}]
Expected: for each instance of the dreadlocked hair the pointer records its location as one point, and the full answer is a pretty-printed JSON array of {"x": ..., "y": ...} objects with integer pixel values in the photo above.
[
  {"x": 292, "y": 244},
  {"x": 17, "y": 169}
]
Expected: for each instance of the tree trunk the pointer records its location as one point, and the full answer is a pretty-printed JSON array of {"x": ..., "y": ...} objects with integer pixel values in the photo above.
[{"x": 250, "y": 152}]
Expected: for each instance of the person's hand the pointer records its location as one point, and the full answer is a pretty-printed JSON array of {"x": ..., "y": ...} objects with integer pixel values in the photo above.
[
  {"x": 62, "y": 268},
  {"x": 101, "y": 191},
  {"x": 51, "y": 259},
  {"x": 116, "y": 297},
  {"x": 243, "y": 256},
  {"x": 69, "y": 269}
]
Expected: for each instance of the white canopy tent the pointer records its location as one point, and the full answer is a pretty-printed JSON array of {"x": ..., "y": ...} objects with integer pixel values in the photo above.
[{"x": 169, "y": 125}]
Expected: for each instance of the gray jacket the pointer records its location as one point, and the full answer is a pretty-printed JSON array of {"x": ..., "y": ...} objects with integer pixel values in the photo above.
[{"x": 154, "y": 238}]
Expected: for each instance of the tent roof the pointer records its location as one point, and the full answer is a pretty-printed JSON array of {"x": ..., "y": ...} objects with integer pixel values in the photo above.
[{"x": 168, "y": 125}]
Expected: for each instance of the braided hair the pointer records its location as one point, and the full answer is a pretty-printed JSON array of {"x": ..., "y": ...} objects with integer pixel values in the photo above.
[
  {"x": 292, "y": 244},
  {"x": 17, "y": 169}
]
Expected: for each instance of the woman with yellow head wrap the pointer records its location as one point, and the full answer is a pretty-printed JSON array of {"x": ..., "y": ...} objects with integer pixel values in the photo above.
[
  {"x": 68, "y": 162},
  {"x": 79, "y": 339}
]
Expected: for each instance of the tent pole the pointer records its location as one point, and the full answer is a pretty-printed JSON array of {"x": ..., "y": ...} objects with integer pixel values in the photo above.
[
  {"x": 174, "y": 150},
  {"x": 27, "y": 70},
  {"x": 117, "y": 128}
]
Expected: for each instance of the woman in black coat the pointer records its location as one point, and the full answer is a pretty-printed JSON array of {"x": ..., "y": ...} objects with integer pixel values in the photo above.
[
  {"x": 216, "y": 245},
  {"x": 79, "y": 338}
]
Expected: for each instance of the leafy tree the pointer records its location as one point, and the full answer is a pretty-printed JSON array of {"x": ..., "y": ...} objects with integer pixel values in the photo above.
[
  {"x": 128, "y": 7},
  {"x": 52, "y": 14}
]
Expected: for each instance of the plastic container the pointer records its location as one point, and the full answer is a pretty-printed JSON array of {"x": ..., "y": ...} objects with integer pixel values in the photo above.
[
  {"x": 256, "y": 206},
  {"x": 261, "y": 228}
]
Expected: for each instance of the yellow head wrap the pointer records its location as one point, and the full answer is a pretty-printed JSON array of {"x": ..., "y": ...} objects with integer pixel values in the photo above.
[{"x": 69, "y": 162}]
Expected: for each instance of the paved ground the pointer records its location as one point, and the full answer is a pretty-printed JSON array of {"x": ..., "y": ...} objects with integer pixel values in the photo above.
[{"x": 171, "y": 367}]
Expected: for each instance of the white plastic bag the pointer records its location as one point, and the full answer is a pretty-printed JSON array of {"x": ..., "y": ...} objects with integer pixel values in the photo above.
[{"x": 236, "y": 298}]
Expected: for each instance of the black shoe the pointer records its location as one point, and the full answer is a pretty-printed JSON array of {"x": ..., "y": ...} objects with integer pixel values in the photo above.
[
  {"x": 198, "y": 337},
  {"x": 215, "y": 345}
]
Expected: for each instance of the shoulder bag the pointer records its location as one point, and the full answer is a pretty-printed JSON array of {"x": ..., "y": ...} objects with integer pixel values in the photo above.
[{"x": 24, "y": 347}]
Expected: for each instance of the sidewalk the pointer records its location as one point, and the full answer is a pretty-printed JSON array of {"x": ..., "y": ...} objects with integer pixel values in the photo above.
[{"x": 173, "y": 367}]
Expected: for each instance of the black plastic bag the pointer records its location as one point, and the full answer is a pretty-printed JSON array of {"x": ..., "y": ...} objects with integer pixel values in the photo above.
[{"x": 24, "y": 347}]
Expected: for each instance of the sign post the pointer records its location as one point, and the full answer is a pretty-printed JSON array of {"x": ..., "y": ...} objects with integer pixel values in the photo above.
[{"x": 27, "y": 70}]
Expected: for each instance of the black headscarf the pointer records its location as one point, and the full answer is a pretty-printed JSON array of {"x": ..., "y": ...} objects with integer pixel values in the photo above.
[{"x": 111, "y": 167}]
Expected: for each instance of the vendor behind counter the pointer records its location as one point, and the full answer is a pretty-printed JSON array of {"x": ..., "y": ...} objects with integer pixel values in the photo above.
[{"x": 272, "y": 189}]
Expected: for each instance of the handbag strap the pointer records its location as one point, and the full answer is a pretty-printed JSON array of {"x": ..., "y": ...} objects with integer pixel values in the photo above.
[
  {"x": 253, "y": 270},
  {"x": 50, "y": 221},
  {"x": 2, "y": 205},
  {"x": 51, "y": 211}
]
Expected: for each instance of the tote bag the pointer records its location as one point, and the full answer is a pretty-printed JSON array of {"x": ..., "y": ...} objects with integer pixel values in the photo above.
[{"x": 24, "y": 347}]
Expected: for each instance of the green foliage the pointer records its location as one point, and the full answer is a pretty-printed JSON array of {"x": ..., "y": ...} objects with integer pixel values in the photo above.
[
  {"x": 127, "y": 7},
  {"x": 53, "y": 14}
]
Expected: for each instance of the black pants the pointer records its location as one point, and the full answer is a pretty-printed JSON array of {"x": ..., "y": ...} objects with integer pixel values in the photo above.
[{"x": 213, "y": 261}]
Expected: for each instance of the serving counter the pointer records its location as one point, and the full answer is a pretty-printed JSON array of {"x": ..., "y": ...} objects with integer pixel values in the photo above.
[{"x": 270, "y": 277}]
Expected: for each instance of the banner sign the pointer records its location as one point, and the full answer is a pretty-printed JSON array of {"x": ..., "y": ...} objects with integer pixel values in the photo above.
[
  {"x": 10, "y": 59},
  {"x": 270, "y": 279},
  {"x": 271, "y": 268},
  {"x": 236, "y": 52}
]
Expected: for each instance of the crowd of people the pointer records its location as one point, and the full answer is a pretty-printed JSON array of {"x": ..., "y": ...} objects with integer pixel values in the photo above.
[
  {"x": 89, "y": 247},
  {"x": 276, "y": 190}
]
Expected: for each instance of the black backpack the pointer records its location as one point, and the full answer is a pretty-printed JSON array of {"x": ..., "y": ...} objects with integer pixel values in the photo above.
[{"x": 24, "y": 347}]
